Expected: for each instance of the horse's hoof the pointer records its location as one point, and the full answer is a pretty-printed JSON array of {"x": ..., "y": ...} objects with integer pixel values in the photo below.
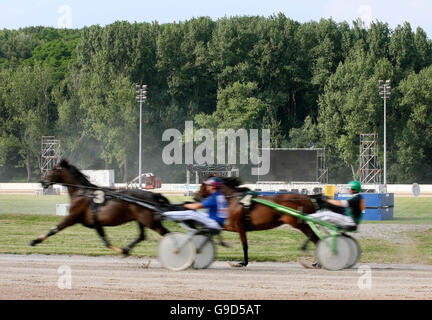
[
  {"x": 125, "y": 252},
  {"x": 309, "y": 265},
  {"x": 34, "y": 242},
  {"x": 118, "y": 250},
  {"x": 237, "y": 265}
]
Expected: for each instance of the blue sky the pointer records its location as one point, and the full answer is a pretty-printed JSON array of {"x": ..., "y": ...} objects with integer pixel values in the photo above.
[{"x": 15, "y": 14}]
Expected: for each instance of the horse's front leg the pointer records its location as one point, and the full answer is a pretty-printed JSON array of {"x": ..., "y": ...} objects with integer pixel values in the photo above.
[
  {"x": 66, "y": 222},
  {"x": 242, "y": 232},
  {"x": 140, "y": 238},
  {"x": 244, "y": 242},
  {"x": 236, "y": 222}
]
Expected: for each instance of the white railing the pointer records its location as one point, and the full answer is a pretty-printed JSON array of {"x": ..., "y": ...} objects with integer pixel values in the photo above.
[{"x": 181, "y": 187}]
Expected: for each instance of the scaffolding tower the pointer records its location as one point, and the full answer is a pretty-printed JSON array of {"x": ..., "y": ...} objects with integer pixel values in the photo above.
[
  {"x": 322, "y": 166},
  {"x": 50, "y": 153},
  {"x": 370, "y": 171}
]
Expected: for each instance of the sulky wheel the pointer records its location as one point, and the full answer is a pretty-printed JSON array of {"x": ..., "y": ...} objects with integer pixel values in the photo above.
[
  {"x": 334, "y": 260},
  {"x": 356, "y": 251},
  {"x": 205, "y": 251},
  {"x": 176, "y": 251}
]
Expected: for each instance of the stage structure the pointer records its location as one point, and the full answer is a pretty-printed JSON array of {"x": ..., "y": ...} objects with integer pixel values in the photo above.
[
  {"x": 50, "y": 153},
  {"x": 370, "y": 171},
  {"x": 203, "y": 171},
  {"x": 296, "y": 165}
]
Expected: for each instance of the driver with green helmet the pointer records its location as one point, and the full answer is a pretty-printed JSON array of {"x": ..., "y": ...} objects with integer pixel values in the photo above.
[{"x": 344, "y": 213}]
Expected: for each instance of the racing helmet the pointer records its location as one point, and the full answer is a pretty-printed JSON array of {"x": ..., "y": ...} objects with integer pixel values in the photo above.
[
  {"x": 214, "y": 181},
  {"x": 355, "y": 185}
]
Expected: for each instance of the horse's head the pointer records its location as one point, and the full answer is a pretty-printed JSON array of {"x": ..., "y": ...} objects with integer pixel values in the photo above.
[
  {"x": 55, "y": 175},
  {"x": 231, "y": 185},
  {"x": 65, "y": 173}
]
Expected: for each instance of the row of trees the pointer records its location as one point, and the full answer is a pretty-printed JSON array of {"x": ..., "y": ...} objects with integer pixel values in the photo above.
[{"x": 307, "y": 82}]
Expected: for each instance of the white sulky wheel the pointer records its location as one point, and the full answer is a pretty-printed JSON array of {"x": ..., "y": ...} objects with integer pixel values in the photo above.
[
  {"x": 356, "y": 251},
  {"x": 334, "y": 260},
  {"x": 205, "y": 252},
  {"x": 174, "y": 257}
]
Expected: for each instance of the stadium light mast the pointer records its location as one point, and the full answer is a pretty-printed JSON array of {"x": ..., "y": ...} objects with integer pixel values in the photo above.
[
  {"x": 385, "y": 92},
  {"x": 141, "y": 97}
]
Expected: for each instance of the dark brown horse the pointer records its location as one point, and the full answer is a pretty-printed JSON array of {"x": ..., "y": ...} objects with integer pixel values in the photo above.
[
  {"x": 94, "y": 209},
  {"x": 254, "y": 217}
]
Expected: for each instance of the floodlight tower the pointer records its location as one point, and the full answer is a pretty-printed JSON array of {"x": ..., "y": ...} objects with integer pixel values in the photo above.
[
  {"x": 385, "y": 92},
  {"x": 141, "y": 97}
]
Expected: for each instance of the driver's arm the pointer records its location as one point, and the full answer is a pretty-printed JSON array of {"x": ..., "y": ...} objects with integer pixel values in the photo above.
[
  {"x": 340, "y": 203},
  {"x": 194, "y": 206}
]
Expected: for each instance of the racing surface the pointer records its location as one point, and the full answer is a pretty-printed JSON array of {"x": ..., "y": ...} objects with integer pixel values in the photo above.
[{"x": 42, "y": 277}]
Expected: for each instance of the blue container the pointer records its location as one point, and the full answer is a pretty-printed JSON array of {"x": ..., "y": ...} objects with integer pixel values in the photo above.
[
  {"x": 378, "y": 214},
  {"x": 378, "y": 199},
  {"x": 388, "y": 200},
  {"x": 372, "y": 215},
  {"x": 379, "y": 206}
]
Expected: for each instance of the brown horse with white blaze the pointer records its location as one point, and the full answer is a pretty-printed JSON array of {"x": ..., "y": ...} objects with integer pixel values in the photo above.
[{"x": 106, "y": 211}]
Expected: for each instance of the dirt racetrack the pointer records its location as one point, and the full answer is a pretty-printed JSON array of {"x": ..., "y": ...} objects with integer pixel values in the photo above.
[{"x": 43, "y": 276}]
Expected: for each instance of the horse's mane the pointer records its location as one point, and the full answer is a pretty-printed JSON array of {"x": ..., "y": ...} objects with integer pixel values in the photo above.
[
  {"x": 77, "y": 174},
  {"x": 234, "y": 183}
]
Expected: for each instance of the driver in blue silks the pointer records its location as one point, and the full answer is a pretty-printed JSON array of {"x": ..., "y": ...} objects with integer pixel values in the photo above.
[{"x": 215, "y": 204}]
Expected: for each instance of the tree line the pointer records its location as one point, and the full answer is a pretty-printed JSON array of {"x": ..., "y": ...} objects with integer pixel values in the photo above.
[{"x": 306, "y": 82}]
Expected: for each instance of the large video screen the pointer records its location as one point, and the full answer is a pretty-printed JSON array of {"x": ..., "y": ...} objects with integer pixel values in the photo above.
[{"x": 292, "y": 165}]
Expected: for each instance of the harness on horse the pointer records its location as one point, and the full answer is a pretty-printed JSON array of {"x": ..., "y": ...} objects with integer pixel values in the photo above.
[
  {"x": 99, "y": 198},
  {"x": 318, "y": 202},
  {"x": 248, "y": 204}
]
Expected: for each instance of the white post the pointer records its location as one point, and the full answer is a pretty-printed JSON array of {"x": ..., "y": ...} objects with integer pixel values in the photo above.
[
  {"x": 385, "y": 136},
  {"x": 385, "y": 91},
  {"x": 140, "y": 146},
  {"x": 141, "y": 92}
]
